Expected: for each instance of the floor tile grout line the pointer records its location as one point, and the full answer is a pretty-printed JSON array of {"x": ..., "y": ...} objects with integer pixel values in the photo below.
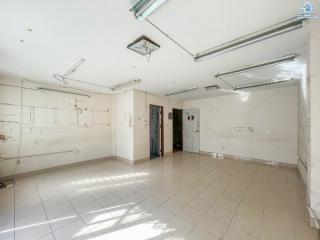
[
  {"x": 77, "y": 212},
  {"x": 74, "y": 220},
  {"x": 14, "y": 209},
  {"x": 94, "y": 199},
  {"x": 68, "y": 223},
  {"x": 122, "y": 199},
  {"x": 212, "y": 205},
  {"x": 291, "y": 216},
  {"x": 302, "y": 198},
  {"x": 266, "y": 177},
  {"x": 174, "y": 214},
  {"x": 235, "y": 211},
  {"x": 265, "y": 202},
  {"x": 44, "y": 209},
  {"x": 44, "y": 235}
]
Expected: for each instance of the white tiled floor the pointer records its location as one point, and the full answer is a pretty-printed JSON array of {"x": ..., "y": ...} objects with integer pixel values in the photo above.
[{"x": 184, "y": 196}]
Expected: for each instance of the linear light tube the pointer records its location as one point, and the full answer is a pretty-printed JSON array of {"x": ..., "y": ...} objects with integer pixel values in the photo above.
[
  {"x": 275, "y": 30},
  {"x": 285, "y": 59},
  {"x": 261, "y": 84},
  {"x": 126, "y": 84},
  {"x": 74, "y": 68},
  {"x": 64, "y": 77},
  {"x": 61, "y": 91},
  {"x": 182, "y": 91},
  {"x": 144, "y": 8}
]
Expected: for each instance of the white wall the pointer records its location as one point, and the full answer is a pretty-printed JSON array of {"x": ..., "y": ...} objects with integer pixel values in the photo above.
[
  {"x": 303, "y": 127},
  {"x": 261, "y": 125},
  {"x": 142, "y": 101},
  {"x": 314, "y": 163},
  {"x": 124, "y": 125},
  {"x": 52, "y": 122}
]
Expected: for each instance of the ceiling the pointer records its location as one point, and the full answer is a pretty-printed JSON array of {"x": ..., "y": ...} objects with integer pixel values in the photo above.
[{"x": 100, "y": 30}]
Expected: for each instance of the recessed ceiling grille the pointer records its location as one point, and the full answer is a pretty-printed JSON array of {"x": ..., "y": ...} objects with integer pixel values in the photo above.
[
  {"x": 143, "y": 46},
  {"x": 212, "y": 87}
]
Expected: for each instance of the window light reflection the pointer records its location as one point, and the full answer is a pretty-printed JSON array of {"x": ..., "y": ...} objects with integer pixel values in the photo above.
[{"x": 111, "y": 178}]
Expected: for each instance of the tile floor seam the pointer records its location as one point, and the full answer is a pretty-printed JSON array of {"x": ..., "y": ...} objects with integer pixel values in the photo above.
[
  {"x": 234, "y": 213},
  {"x": 14, "y": 209},
  {"x": 196, "y": 224},
  {"x": 44, "y": 235},
  {"x": 265, "y": 203},
  {"x": 270, "y": 192},
  {"x": 302, "y": 198},
  {"x": 68, "y": 224},
  {"x": 291, "y": 216},
  {"x": 43, "y": 208},
  {"x": 81, "y": 219}
]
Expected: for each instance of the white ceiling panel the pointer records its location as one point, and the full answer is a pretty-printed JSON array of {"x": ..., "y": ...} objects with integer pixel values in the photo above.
[
  {"x": 100, "y": 30},
  {"x": 200, "y": 25}
]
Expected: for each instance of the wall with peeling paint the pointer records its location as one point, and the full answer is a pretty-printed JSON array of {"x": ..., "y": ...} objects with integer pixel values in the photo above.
[
  {"x": 260, "y": 124},
  {"x": 74, "y": 128}
]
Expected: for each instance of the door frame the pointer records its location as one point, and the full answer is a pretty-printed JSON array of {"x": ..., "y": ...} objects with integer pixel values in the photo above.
[
  {"x": 161, "y": 129},
  {"x": 198, "y": 126},
  {"x": 181, "y": 128}
]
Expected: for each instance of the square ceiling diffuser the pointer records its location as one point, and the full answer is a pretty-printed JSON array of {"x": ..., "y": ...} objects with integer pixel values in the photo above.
[{"x": 143, "y": 46}]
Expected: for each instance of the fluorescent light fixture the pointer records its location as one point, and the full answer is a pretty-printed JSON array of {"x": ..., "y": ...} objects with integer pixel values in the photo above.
[
  {"x": 182, "y": 91},
  {"x": 285, "y": 59},
  {"x": 126, "y": 84},
  {"x": 275, "y": 30},
  {"x": 61, "y": 91},
  {"x": 212, "y": 87},
  {"x": 262, "y": 84},
  {"x": 143, "y": 8},
  {"x": 64, "y": 77}
]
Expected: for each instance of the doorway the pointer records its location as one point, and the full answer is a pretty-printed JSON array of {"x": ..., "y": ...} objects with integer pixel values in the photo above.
[
  {"x": 191, "y": 130},
  {"x": 156, "y": 131},
  {"x": 177, "y": 130}
]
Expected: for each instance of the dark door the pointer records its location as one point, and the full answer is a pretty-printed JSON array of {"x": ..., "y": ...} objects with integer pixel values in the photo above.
[
  {"x": 156, "y": 131},
  {"x": 177, "y": 130}
]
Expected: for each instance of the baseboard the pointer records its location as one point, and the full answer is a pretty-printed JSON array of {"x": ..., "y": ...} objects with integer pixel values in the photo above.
[
  {"x": 124, "y": 160},
  {"x": 130, "y": 162},
  {"x": 167, "y": 154},
  {"x": 313, "y": 220},
  {"x": 51, "y": 169},
  {"x": 261, "y": 161},
  {"x": 142, "y": 160}
]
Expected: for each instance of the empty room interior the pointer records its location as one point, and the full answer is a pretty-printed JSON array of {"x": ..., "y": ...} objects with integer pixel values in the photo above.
[{"x": 160, "y": 120}]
